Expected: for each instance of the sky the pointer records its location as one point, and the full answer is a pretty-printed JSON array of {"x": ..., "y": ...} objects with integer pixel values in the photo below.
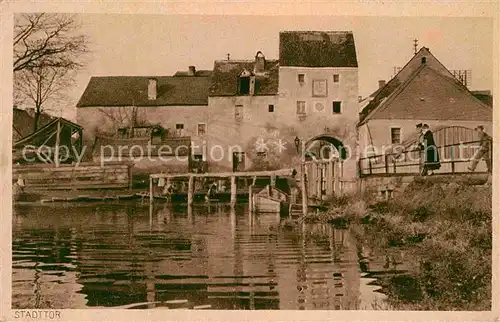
[{"x": 154, "y": 45}]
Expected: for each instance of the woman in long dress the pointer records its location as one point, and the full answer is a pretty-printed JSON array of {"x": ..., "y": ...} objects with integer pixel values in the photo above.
[{"x": 431, "y": 161}]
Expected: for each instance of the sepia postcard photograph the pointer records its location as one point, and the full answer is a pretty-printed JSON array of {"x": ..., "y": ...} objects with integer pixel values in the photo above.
[{"x": 236, "y": 163}]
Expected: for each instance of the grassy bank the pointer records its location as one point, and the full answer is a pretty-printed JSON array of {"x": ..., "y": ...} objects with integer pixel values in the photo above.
[{"x": 447, "y": 228}]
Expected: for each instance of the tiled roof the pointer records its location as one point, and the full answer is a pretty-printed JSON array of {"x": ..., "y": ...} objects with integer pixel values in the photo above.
[
  {"x": 133, "y": 90},
  {"x": 317, "y": 49},
  {"x": 226, "y": 72},
  {"x": 383, "y": 95},
  {"x": 429, "y": 95}
]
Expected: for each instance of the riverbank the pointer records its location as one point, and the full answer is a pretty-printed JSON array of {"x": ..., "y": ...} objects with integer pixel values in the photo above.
[{"x": 443, "y": 229}]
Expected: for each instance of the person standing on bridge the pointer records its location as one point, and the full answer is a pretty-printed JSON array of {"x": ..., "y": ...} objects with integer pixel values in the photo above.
[
  {"x": 427, "y": 144},
  {"x": 484, "y": 150}
]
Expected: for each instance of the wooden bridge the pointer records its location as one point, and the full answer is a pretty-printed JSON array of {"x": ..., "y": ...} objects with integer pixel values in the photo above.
[{"x": 454, "y": 159}]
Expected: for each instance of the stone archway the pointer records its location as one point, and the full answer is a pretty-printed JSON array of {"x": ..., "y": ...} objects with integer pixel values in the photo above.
[{"x": 331, "y": 140}]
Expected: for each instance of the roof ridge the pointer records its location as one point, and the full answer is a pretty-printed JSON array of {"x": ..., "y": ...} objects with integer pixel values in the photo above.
[
  {"x": 394, "y": 94},
  {"x": 395, "y": 77}
]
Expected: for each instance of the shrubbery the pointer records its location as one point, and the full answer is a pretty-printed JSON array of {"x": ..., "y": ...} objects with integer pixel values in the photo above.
[{"x": 447, "y": 227}]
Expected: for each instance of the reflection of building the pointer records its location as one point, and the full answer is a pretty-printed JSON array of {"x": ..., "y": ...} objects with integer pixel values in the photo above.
[
  {"x": 423, "y": 91},
  {"x": 124, "y": 256}
]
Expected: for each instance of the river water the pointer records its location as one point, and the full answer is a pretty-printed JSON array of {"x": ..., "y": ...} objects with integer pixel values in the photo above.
[{"x": 209, "y": 256}]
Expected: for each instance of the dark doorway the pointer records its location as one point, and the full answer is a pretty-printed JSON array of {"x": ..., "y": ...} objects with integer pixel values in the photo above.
[{"x": 238, "y": 161}]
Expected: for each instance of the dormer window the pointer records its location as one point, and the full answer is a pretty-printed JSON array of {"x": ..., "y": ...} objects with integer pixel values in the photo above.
[
  {"x": 245, "y": 83},
  {"x": 244, "y": 88}
]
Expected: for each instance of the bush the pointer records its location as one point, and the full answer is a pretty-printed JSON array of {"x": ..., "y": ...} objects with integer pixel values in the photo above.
[{"x": 448, "y": 228}]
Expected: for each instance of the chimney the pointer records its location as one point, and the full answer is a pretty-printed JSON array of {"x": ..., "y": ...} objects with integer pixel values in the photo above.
[
  {"x": 381, "y": 83},
  {"x": 152, "y": 88},
  {"x": 192, "y": 71},
  {"x": 260, "y": 62}
]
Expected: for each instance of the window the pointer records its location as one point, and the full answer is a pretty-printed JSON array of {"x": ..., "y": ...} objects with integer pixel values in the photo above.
[
  {"x": 179, "y": 129},
  {"x": 336, "y": 78},
  {"x": 319, "y": 87},
  {"x": 301, "y": 107},
  {"x": 202, "y": 128},
  {"x": 271, "y": 108},
  {"x": 261, "y": 154},
  {"x": 395, "y": 135},
  {"x": 238, "y": 112},
  {"x": 336, "y": 108},
  {"x": 122, "y": 132},
  {"x": 244, "y": 86},
  {"x": 301, "y": 78}
]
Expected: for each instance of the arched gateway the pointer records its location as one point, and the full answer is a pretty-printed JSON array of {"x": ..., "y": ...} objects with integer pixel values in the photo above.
[
  {"x": 324, "y": 156},
  {"x": 318, "y": 142}
]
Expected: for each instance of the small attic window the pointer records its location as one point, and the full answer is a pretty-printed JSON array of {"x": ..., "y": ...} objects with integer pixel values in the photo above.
[
  {"x": 424, "y": 60},
  {"x": 244, "y": 82}
]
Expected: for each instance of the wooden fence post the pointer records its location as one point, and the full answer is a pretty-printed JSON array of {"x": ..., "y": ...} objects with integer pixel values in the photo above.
[
  {"x": 386, "y": 160},
  {"x": 337, "y": 179},
  {"x": 452, "y": 159}
]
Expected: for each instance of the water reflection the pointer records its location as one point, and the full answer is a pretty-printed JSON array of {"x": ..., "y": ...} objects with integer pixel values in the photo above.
[{"x": 207, "y": 256}]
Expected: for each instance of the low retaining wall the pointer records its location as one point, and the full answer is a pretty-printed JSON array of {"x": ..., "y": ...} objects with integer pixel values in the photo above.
[{"x": 70, "y": 177}]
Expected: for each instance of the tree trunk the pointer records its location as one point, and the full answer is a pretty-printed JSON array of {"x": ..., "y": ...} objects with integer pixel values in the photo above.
[{"x": 36, "y": 119}]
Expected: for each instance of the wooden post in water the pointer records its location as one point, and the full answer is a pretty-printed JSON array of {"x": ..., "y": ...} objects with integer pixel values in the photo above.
[
  {"x": 150, "y": 191},
  {"x": 303, "y": 187},
  {"x": 250, "y": 199},
  {"x": 190, "y": 196},
  {"x": 233, "y": 190}
]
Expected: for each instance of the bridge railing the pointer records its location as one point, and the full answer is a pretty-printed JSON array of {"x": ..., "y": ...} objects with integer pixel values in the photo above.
[{"x": 454, "y": 158}]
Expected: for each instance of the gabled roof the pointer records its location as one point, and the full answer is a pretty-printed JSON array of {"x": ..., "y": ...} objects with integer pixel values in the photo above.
[
  {"x": 429, "y": 95},
  {"x": 133, "y": 90},
  {"x": 200, "y": 73},
  {"x": 23, "y": 123},
  {"x": 317, "y": 49},
  {"x": 441, "y": 88},
  {"x": 226, "y": 72},
  {"x": 44, "y": 133}
]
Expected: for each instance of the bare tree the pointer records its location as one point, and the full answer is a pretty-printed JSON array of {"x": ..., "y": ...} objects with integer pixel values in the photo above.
[
  {"x": 124, "y": 117},
  {"x": 47, "y": 40},
  {"x": 48, "y": 50},
  {"x": 42, "y": 84}
]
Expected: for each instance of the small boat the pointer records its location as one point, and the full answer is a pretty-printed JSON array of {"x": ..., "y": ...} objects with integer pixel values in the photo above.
[{"x": 271, "y": 199}]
